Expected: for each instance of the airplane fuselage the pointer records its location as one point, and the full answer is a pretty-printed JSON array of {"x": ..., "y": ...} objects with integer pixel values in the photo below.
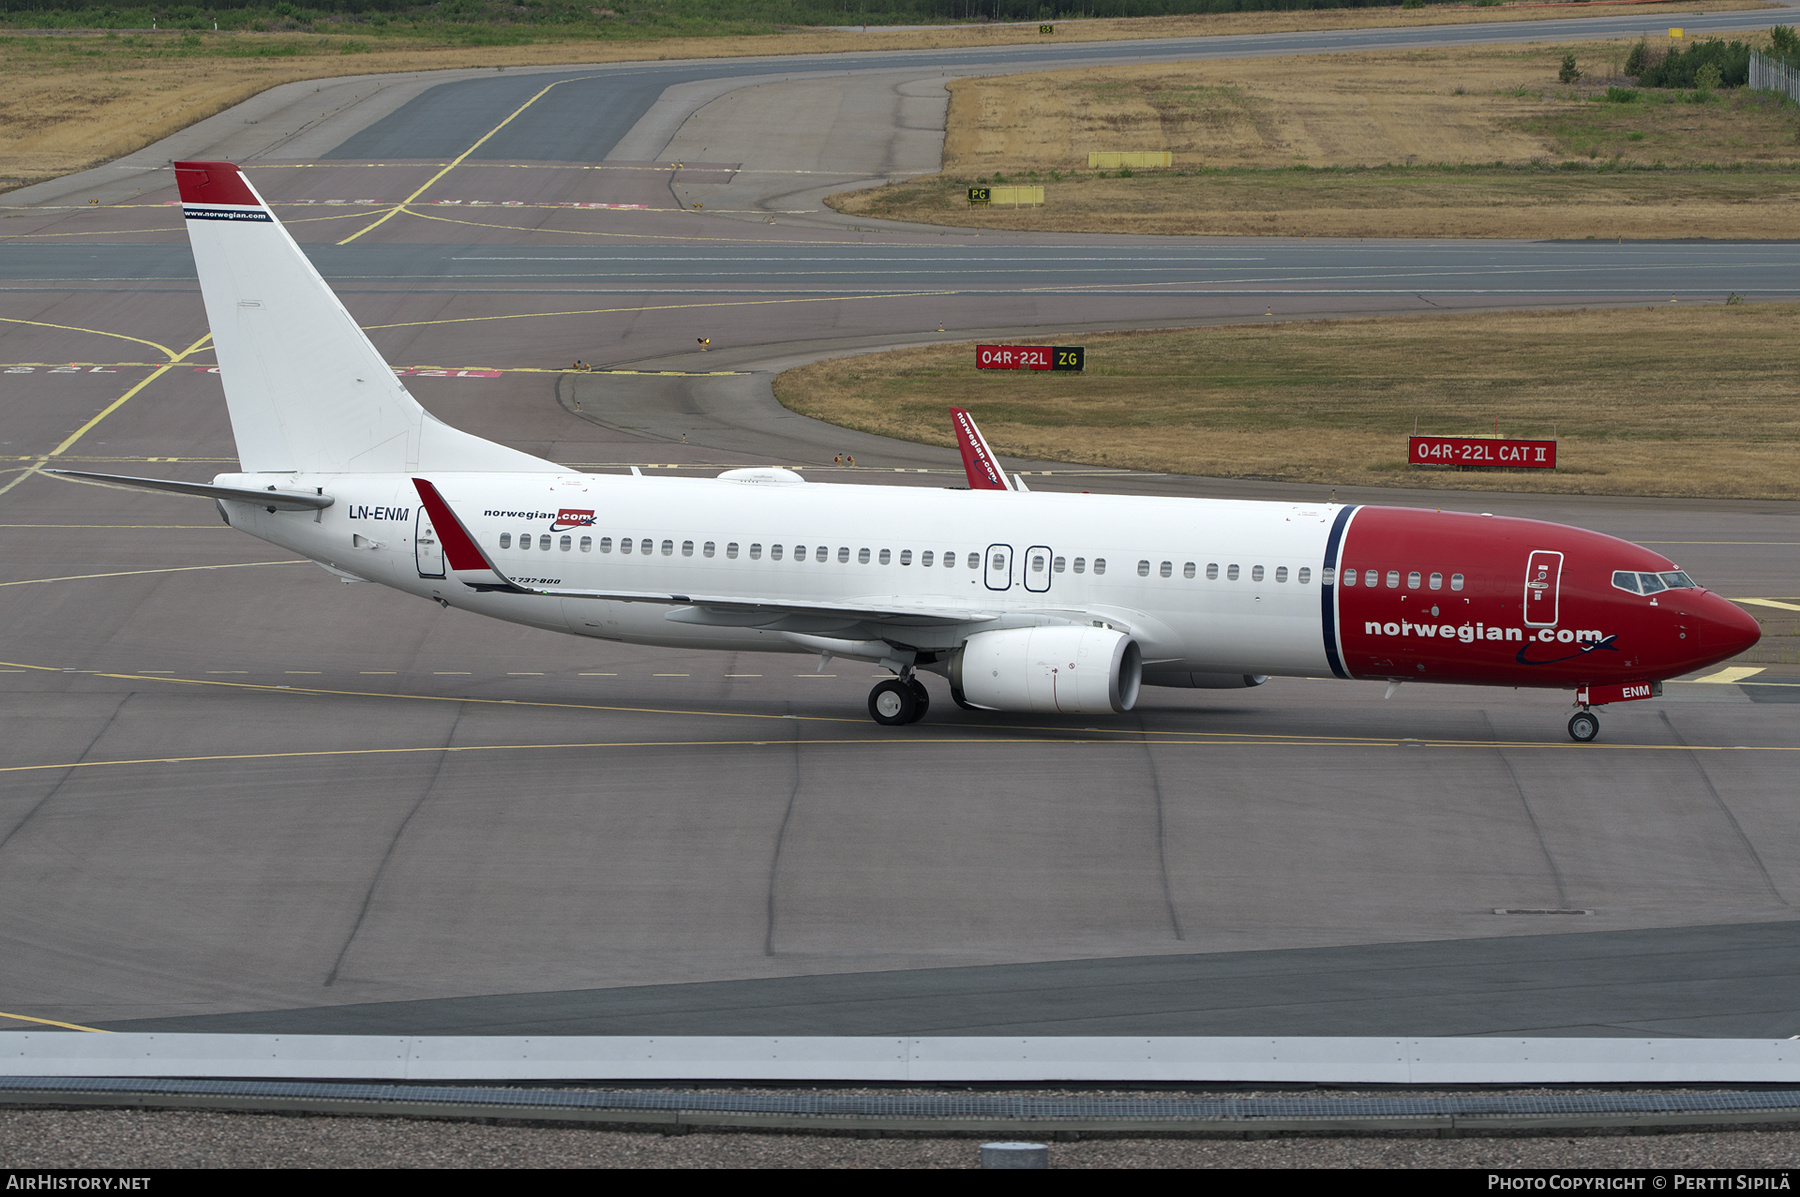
[{"x": 1214, "y": 592}]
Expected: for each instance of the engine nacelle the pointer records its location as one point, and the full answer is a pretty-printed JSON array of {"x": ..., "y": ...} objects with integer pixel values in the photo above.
[{"x": 1071, "y": 670}]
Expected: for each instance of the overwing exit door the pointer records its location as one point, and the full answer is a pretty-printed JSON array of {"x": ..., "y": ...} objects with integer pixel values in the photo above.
[
  {"x": 999, "y": 567},
  {"x": 427, "y": 550},
  {"x": 1037, "y": 568},
  {"x": 1543, "y": 578}
]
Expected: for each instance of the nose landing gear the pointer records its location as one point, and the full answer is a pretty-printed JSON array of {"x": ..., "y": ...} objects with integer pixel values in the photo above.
[
  {"x": 1584, "y": 726},
  {"x": 899, "y": 700}
]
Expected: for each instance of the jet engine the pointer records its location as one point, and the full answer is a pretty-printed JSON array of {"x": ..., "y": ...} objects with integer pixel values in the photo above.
[{"x": 1072, "y": 670}]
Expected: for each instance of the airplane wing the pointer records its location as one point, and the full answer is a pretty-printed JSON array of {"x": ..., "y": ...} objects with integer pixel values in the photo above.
[
  {"x": 471, "y": 566},
  {"x": 979, "y": 462}
]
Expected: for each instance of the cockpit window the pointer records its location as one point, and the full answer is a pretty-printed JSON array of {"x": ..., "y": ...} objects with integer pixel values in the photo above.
[{"x": 1638, "y": 583}]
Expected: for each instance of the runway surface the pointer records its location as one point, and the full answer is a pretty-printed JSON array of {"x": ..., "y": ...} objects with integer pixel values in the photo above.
[{"x": 240, "y": 794}]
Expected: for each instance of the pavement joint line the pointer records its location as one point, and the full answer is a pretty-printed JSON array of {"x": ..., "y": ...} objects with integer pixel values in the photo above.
[
  {"x": 662, "y": 307},
  {"x": 1058, "y": 734}
]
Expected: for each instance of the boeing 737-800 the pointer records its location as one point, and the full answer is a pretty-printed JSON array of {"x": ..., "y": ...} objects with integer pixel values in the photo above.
[{"x": 1023, "y": 601}]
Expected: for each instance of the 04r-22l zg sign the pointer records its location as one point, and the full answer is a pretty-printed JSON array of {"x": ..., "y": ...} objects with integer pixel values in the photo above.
[
  {"x": 1482, "y": 452},
  {"x": 1030, "y": 357}
]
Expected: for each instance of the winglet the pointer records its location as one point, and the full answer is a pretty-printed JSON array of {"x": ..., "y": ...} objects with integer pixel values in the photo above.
[
  {"x": 978, "y": 460},
  {"x": 466, "y": 560}
]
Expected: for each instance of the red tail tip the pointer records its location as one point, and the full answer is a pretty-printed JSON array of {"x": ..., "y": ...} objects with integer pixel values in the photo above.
[{"x": 214, "y": 183}]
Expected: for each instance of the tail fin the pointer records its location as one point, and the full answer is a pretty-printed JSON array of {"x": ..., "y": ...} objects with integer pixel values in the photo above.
[
  {"x": 306, "y": 388},
  {"x": 979, "y": 462}
]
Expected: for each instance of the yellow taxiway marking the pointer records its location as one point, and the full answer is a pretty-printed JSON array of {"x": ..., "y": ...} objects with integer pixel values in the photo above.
[
  {"x": 127, "y": 573},
  {"x": 175, "y": 359},
  {"x": 1029, "y": 732},
  {"x": 95, "y": 332},
  {"x": 452, "y": 165},
  {"x": 51, "y": 1022},
  {"x": 661, "y": 307},
  {"x": 1777, "y": 603},
  {"x": 1731, "y": 673}
]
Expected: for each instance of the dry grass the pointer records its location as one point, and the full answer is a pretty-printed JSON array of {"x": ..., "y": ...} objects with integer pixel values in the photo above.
[
  {"x": 1663, "y": 401},
  {"x": 74, "y": 100},
  {"x": 1477, "y": 142}
]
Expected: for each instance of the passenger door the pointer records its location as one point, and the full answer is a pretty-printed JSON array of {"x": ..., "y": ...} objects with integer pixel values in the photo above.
[{"x": 1543, "y": 579}]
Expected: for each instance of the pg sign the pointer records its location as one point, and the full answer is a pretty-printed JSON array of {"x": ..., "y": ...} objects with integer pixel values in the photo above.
[
  {"x": 1480, "y": 452},
  {"x": 1030, "y": 357}
]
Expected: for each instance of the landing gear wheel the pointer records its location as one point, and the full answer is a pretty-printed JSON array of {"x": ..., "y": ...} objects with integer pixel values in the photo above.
[
  {"x": 892, "y": 703},
  {"x": 922, "y": 694},
  {"x": 1584, "y": 726}
]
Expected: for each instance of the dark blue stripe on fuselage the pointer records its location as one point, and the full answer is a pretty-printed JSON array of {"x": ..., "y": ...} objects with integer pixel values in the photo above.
[{"x": 1328, "y": 592}]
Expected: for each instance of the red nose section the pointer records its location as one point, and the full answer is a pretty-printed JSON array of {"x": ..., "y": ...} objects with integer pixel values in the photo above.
[{"x": 1727, "y": 628}]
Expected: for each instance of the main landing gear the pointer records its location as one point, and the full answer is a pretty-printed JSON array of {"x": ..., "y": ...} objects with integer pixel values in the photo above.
[
  {"x": 899, "y": 700},
  {"x": 1584, "y": 726}
]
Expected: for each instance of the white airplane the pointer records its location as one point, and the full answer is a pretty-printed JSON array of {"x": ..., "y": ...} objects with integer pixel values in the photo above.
[{"x": 1024, "y": 602}]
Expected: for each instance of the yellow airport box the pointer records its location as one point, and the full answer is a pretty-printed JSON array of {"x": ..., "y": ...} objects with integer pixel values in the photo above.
[
  {"x": 1677, "y": 33},
  {"x": 1016, "y": 195},
  {"x": 1113, "y": 159}
]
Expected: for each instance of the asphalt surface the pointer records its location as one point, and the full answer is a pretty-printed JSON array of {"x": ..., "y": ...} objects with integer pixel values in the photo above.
[{"x": 236, "y": 788}]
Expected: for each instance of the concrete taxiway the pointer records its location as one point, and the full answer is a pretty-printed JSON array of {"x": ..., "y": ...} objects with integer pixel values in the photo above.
[{"x": 239, "y": 794}]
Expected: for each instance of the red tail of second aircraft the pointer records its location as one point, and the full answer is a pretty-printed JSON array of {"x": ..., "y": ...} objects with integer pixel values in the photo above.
[{"x": 978, "y": 460}]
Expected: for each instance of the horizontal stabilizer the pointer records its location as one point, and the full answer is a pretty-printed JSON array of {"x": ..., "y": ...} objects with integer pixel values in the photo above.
[{"x": 280, "y": 500}]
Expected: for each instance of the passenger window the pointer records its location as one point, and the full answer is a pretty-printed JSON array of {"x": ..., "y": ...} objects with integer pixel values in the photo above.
[
  {"x": 645, "y": 545},
  {"x": 587, "y": 544},
  {"x": 731, "y": 550},
  {"x": 1456, "y": 581},
  {"x": 669, "y": 548},
  {"x": 687, "y": 548},
  {"x": 1187, "y": 571},
  {"x": 1412, "y": 580},
  {"x": 1231, "y": 573},
  {"x": 1394, "y": 579},
  {"x": 822, "y": 554},
  {"x": 544, "y": 542},
  {"x": 1256, "y": 573},
  {"x": 707, "y": 548},
  {"x": 1058, "y": 564},
  {"x": 506, "y": 543},
  {"x": 625, "y": 544},
  {"x": 926, "y": 558},
  {"x": 755, "y": 552},
  {"x": 1143, "y": 569},
  {"x": 1305, "y": 575},
  {"x": 1281, "y": 573},
  {"x": 974, "y": 560},
  {"x": 774, "y": 552},
  {"x": 1436, "y": 581},
  {"x": 887, "y": 555},
  {"x": 862, "y": 556},
  {"x": 844, "y": 555},
  {"x": 606, "y": 544},
  {"x": 1212, "y": 571},
  {"x": 1349, "y": 577},
  {"x": 906, "y": 557},
  {"x": 567, "y": 543},
  {"x": 1081, "y": 565},
  {"x": 1099, "y": 565},
  {"x": 1166, "y": 569}
]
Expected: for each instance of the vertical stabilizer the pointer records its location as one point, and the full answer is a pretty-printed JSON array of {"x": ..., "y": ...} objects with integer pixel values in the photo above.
[
  {"x": 306, "y": 388},
  {"x": 979, "y": 462}
]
